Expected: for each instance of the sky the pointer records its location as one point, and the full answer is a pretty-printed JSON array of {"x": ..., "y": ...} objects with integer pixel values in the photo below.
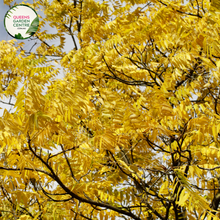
[{"x": 3, "y": 34}]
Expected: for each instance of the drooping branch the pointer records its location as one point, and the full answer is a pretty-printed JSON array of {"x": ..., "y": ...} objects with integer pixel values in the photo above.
[{"x": 75, "y": 196}]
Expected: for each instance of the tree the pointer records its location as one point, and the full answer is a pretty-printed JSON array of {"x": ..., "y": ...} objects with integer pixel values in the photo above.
[{"x": 133, "y": 129}]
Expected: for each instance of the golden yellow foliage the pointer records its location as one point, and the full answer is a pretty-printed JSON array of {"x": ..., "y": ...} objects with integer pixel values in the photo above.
[{"x": 131, "y": 130}]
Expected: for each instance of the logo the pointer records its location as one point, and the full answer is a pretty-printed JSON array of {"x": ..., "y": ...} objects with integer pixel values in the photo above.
[{"x": 21, "y": 21}]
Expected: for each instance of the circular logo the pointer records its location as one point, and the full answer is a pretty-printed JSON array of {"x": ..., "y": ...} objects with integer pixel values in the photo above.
[{"x": 21, "y": 21}]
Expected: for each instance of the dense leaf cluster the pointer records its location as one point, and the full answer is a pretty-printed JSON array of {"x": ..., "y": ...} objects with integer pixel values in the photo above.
[{"x": 133, "y": 128}]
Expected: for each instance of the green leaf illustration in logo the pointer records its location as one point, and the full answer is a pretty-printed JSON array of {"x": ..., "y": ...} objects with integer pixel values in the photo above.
[
  {"x": 18, "y": 36},
  {"x": 14, "y": 9},
  {"x": 34, "y": 26}
]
